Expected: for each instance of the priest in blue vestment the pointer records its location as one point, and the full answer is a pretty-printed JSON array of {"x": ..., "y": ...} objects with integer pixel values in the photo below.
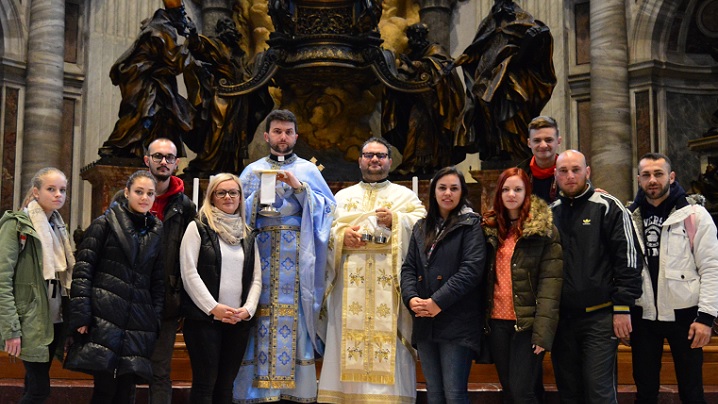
[{"x": 292, "y": 208}]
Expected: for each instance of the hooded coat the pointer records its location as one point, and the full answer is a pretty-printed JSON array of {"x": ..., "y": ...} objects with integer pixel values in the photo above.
[
  {"x": 118, "y": 293},
  {"x": 536, "y": 273},
  {"x": 24, "y": 310}
]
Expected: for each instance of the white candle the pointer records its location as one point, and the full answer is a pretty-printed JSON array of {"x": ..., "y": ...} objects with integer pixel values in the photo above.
[
  {"x": 195, "y": 192},
  {"x": 415, "y": 185}
]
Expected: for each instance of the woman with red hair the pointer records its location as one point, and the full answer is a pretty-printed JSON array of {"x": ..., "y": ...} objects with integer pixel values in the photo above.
[{"x": 525, "y": 270}]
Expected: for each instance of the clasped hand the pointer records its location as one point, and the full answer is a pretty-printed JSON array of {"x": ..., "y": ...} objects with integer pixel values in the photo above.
[
  {"x": 424, "y": 307},
  {"x": 229, "y": 315}
]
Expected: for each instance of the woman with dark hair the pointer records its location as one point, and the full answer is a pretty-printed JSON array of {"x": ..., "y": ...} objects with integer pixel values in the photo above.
[
  {"x": 441, "y": 284},
  {"x": 117, "y": 294},
  {"x": 35, "y": 272},
  {"x": 525, "y": 274},
  {"x": 222, "y": 278}
]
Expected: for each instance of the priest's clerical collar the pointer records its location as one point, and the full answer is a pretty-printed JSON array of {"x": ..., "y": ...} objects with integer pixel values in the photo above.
[
  {"x": 381, "y": 181},
  {"x": 281, "y": 158}
]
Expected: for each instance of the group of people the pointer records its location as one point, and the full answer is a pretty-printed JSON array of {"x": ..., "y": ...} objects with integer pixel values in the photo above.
[{"x": 275, "y": 270}]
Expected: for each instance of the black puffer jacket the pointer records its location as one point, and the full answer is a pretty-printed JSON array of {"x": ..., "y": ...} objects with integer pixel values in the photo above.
[
  {"x": 453, "y": 278},
  {"x": 118, "y": 292},
  {"x": 209, "y": 265},
  {"x": 536, "y": 273}
]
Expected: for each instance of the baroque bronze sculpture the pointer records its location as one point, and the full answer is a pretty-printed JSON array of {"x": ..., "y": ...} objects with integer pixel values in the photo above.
[
  {"x": 223, "y": 127},
  {"x": 151, "y": 105},
  {"x": 509, "y": 77},
  {"x": 421, "y": 125}
]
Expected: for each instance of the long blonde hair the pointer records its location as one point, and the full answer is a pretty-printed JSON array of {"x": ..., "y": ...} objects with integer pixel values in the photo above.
[
  {"x": 37, "y": 181},
  {"x": 205, "y": 212}
]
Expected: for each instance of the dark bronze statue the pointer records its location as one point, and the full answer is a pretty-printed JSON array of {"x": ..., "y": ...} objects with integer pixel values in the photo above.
[
  {"x": 509, "y": 76},
  {"x": 151, "y": 106},
  {"x": 421, "y": 125},
  {"x": 281, "y": 16},
  {"x": 224, "y": 127}
]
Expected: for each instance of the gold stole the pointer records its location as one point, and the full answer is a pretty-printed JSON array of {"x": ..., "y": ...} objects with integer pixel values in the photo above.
[{"x": 369, "y": 315}]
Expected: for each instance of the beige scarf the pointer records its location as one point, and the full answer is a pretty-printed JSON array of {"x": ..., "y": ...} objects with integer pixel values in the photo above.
[
  {"x": 57, "y": 257},
  {"x": 230, "y": 227}
]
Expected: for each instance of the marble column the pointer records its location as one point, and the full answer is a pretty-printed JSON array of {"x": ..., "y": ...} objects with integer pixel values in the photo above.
[
  {"x": 44, "y": 91},
  {"x": 611, "y": 147},
  {"x": 212, "y": 11},
  {"x": 437, "y": 15}
]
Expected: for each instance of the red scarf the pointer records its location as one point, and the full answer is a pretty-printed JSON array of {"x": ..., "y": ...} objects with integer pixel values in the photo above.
[{"x": 541, "y": 173}]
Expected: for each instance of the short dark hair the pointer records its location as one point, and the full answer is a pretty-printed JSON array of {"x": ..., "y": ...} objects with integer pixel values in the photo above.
[
  {"x": 656, "y": 156},
  {"x": 541, "y": 122},
  {"x": 375, "y": 139},
  {"x": 281, "y": 115}
]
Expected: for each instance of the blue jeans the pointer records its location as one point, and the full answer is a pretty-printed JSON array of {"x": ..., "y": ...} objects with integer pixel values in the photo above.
[{"x": 446, "y": 368}]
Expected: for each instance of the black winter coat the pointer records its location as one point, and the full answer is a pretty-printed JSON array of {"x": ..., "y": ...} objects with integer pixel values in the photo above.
[
  {"x": 118, "y": 292},
  {"x": 453, "y": 277},
  {"x": 179, "y": 212}
]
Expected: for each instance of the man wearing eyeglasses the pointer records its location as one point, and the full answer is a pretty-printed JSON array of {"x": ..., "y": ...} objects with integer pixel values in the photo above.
[
  {"x": 176, "y": 211},
  {"x": 366, "y": 328},
  {"x": 292, "y": 243}
]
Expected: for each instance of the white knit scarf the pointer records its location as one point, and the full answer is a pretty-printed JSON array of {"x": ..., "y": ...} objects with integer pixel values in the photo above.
[
  {"x": 57, "y": 258},
  {"x": 230, "y": 227}
]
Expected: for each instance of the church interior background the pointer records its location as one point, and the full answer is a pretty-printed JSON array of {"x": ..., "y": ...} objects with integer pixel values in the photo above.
[{"x": 633, "y": 76}]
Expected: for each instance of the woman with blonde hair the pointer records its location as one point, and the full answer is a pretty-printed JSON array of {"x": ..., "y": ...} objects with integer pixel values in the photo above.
[
  {"x": 221, "y": 274},
  {"x": 35, "y": 272},
  {"x": 525, "y": 274}
]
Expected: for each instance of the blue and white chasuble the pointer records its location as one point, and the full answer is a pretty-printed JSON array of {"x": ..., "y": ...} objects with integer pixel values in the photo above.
[{"x": 279, "y": 361}]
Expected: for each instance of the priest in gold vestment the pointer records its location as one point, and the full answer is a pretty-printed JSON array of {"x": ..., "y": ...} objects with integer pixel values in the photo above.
[{"x": 367, "y": 330}]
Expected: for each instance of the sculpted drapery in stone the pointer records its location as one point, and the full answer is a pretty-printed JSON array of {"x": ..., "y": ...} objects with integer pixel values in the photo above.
[
  {"x": 509, "y": 76},
  {"x": 151, "y": 105},
  {"x": 421, "y": 125},
  {"x": 223, "y": 127}
]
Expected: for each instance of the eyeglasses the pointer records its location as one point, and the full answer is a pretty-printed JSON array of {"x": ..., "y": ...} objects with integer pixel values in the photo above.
[
  {"x": 380, "y": 156},
  {"x": 223, "y": 194},
  {"x": 169, "y": 158}
]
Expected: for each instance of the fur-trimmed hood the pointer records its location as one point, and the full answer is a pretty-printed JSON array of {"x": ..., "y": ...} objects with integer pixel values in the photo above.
[{"x": 539, "y": 222}]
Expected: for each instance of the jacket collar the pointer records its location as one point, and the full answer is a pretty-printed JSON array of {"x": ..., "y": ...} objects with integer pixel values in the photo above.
[{"x": 539, "y": 222}]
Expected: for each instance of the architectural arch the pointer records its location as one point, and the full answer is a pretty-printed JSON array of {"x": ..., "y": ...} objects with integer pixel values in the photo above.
[
  {"x": 13, "y": 34},
  {"x": 652, "y": 29}
]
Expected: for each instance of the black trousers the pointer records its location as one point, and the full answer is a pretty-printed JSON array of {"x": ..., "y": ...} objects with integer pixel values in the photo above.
[
  {"x": 111, "y": 389},
  {"x": 584, "y": 358},
  {"x": 37, "y": 374},
  {"x": 161, "y": 385},
  {"x": 647, "y": 348},
  {"x": 520, "y": 370},
  {"x": 215, "y": 352}
]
